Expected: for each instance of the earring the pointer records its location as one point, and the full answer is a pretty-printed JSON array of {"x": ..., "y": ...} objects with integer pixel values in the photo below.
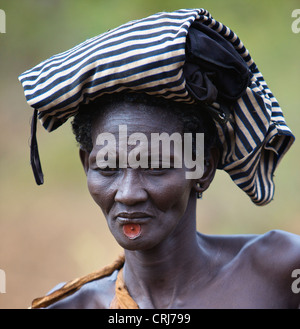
[{"x": 199, "y": 194}]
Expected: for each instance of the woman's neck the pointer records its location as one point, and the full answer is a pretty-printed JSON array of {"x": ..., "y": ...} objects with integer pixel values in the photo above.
[{"x": 158, "y": 278}]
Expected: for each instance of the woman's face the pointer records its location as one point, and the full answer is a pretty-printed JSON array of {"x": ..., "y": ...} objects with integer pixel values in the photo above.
[{"x": 142, "y": 206}]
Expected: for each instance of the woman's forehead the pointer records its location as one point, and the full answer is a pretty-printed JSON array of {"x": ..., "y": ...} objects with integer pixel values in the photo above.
[{"x": 137, "y": 118}]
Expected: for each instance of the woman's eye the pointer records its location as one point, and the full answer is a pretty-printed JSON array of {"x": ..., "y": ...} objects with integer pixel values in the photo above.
[
  {"x": 155, "y": 170},
  {"x": 108, "y": 170},
  {"x": 151, "y": 169}
]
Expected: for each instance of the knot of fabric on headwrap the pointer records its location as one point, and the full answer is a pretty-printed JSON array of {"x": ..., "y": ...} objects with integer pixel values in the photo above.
[
  {"x": 183, "y": 56},
  {"x": 213, "y": 70}
]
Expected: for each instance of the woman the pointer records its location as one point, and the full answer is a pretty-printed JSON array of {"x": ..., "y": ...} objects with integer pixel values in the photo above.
[{"x": 171, "y": 73}]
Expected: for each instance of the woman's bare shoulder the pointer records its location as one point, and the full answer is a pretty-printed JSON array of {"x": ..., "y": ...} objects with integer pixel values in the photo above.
[
  {"x": 270, "y": 248},
  {"x": 96, "y": 294},
  {"x": 269, "y": 260},
  {"x": 280, "y": 247},
  {"x": 278, "y": 239},
  {"x": 275, "y": 255}
]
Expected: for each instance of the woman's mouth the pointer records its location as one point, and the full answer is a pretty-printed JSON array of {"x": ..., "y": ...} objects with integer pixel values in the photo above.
[{"x": 135, "y": 216}]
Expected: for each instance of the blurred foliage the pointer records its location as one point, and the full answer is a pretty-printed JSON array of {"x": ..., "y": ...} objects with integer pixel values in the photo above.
[{"x": 55, "y": 232}]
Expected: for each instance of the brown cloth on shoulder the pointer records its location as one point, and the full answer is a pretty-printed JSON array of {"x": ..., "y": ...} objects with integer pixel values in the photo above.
[{"x": 121, "y": 300}]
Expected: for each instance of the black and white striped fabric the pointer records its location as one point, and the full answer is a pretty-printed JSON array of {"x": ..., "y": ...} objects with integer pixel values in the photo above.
[{"x": 149, "y": 55}]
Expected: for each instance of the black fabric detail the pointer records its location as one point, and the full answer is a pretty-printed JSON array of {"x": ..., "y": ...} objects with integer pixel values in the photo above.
[
  {"x": 213, "y": 70},
  {"x": 34, "y": 152}
]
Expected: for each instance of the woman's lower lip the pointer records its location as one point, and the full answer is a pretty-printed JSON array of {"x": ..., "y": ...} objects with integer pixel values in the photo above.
[{"x": 132, "y": 230}]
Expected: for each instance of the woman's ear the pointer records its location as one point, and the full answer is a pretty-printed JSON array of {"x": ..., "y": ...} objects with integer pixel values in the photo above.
[
  {"x": 84, "y": 157},
  {"x": 210, "y": 167}
]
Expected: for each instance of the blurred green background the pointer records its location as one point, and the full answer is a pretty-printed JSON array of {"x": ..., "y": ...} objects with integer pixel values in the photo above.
[{"x": 55, "y": 232}]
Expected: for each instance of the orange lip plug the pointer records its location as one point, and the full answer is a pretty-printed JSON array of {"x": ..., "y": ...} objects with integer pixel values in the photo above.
[{"x": 132, "y": 231}]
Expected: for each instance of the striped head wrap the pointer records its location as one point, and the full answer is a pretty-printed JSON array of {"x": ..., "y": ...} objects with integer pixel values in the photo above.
[{"x": 184, "y": 56}]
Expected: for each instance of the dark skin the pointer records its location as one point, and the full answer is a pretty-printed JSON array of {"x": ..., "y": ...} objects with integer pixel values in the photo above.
[{"x": 170, "y": 265}]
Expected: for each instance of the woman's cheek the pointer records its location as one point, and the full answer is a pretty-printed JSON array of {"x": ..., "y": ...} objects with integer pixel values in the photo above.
[
  {"x": 172, "y": 194},
  {"x": 99, "y": 189}
]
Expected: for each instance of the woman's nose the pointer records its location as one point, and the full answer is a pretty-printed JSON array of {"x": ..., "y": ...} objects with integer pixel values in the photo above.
[{"x": 130, "y": 189}]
